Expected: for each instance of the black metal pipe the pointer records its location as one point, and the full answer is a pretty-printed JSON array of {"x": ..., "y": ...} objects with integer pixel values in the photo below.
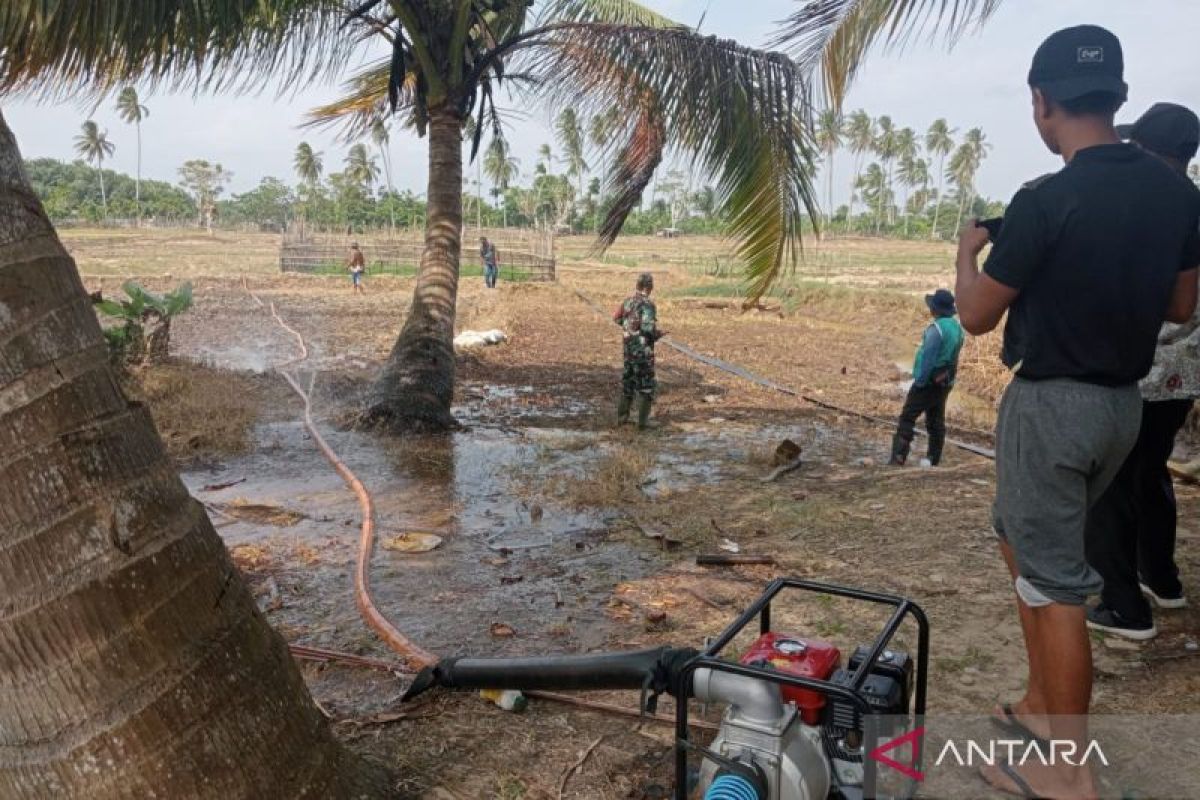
[{"x": 628, "y": 670}]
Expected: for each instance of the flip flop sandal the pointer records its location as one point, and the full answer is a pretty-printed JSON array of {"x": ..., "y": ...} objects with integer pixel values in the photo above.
[
  {"x": 1011, "y": 724},
  {"x": 1022, "y": 786}
]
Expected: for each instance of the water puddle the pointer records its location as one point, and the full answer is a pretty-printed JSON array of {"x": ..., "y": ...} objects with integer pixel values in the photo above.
[{"x": 543, "y": 570}]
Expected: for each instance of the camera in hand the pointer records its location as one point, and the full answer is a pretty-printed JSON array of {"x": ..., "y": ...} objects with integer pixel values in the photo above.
[{"x": 993, "y": 226}]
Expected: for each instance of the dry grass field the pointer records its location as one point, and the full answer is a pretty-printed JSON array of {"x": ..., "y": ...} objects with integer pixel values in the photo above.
[{"x": 545, "y": 508}]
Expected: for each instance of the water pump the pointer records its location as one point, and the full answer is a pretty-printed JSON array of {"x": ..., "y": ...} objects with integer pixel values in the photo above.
[{"x": 797, "y": 725}]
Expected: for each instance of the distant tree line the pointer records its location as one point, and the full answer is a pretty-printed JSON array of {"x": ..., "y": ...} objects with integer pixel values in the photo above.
[{"x": 902, "y": 183}]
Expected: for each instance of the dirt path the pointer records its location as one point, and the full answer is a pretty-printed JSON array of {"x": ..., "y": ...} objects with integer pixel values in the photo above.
[{"x": 541, "y": 472}]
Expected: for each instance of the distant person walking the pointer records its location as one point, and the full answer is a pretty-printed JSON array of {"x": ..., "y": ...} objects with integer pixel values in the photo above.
[
  {"x": 934, "y": 371},
  {"x": 491, "y": 262},
  {"x": 638, "y": 318},
  {"x": 357, "y": 266},
  {"x": 1131, "y": 529}
]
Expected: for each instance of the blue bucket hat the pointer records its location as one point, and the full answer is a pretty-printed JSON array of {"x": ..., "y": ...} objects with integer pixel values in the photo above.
[{"x": 941, "y": 302}]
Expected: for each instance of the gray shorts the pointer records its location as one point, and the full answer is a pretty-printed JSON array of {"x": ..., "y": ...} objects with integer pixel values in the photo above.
[{"x": 1059, "y": 443}]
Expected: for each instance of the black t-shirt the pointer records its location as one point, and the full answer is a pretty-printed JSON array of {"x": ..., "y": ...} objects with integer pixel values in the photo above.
[{"x": 1095, "y": 250}]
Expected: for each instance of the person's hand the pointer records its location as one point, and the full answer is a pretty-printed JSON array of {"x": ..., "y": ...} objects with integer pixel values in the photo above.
[{"x": 972, "y": 238}]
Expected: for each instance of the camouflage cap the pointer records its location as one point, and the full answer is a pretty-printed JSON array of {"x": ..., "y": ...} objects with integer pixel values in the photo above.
[{"x": 645, "y": 281}]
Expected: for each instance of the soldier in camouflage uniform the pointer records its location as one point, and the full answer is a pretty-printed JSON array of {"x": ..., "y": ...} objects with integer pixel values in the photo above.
[{"x": 638, "y": 319}]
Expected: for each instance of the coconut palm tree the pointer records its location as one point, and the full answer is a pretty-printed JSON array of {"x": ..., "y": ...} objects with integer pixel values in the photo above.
[
  {"x": 743, "y": 117},
  {"x": 361, "y": 168},
  {"x": 571, "y": 139},
  {"x": 308, "y": 164},
  {"x": 830, "y": 131},
  {"x": 860, "y": 138},
  {"x": 545, "y": 159},
  {"x": 380, "y": 137},
  {"x": 94, "y": 146},
  {"x": 961, "y": 172},
  {"x": 872, "y": 185},
  {"x": 132, "y": 112},
  {"x": 885, "y": 146},
  {"x": 939, "y": 142},
  {"x": 975, "y": 141},
  {"x": 913, "y": 174},
  {"x": 502, "y": 168},
  {"x": 906, "y": 149}
]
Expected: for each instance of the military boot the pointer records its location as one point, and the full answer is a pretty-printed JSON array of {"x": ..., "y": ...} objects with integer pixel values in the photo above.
[
  {"x": 623, "y": 406},
  {"x": 645, "y": 401}
]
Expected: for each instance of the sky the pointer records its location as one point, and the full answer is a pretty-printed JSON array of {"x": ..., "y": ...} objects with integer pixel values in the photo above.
[{"x": 979, "y": 83}]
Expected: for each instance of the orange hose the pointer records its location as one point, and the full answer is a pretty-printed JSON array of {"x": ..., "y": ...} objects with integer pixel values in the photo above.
[{"x": 415, "y": 655}]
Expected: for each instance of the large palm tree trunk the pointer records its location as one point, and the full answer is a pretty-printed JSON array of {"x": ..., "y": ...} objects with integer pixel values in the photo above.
[
  {"x": 414, "y": 392},
  {"x": 133, "y": 661}
]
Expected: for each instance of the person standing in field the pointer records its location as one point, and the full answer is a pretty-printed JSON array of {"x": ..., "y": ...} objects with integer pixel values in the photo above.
[
  {"x": 357, "y": 266},
  {"x": 491, "y": 262},
  {"x": 638, "y": 318},
  {"x": 1089, "y": 262},
  {"x": 1131, "y": 529},
  {"x": 934, "y": 371}
]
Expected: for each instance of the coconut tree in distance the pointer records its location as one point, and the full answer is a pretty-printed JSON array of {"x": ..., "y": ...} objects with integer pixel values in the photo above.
[
  {"x": 829, "y": 135},
  {"x": 913, "y": 174},
  {"x": 545, "y": 159},
  {"x": 381, "y": 138},
  {"x": 860, "y": 138},
  {"x": 906, "y": 150},
  {"x": 93, "y": 144},
  {"x": 939, "y": 141},
  {"x": 885, "y": 146},
  {"x": 961, "y": 172},
  {"x": 570, "y": 136},
  {"x": 361, "y": 168},
  {"x": 308, "y": 164},
  {"x": 502, "y": 168},
  {"x": 132, "y": 112}
]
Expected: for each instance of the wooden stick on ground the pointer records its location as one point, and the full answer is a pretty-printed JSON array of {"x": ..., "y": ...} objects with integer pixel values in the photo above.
[
  {"x": 562, "y": 785},
  {"x": 731, "y": 560}
]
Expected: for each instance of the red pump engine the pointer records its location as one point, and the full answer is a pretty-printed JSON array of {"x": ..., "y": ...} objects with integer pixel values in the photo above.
[{"x": 808, "y": 658}]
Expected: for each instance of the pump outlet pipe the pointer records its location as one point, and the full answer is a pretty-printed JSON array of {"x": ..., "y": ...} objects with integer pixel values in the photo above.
[{"x": 651, "y": 670}]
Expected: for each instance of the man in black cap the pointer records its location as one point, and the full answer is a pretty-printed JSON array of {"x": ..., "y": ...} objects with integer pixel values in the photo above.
[
  {"x": 935, "y": 369},
  {"x": 1131, "y": 529},
  {"x": 1088, "y": 264}
]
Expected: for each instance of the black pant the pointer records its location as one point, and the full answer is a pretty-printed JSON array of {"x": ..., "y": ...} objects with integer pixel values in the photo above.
[
  {"x": 929, "y": 400},
  {"x": 1131, "y": 528}
]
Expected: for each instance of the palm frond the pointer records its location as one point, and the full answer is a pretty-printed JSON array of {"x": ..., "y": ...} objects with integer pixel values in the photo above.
[
  {"x": 614, "y": 12},
  {"x": 742, "y": 115},
  {"x": 365, "y": 101},
  {"x": 834, "y": 36},
  {"x": 65, "y": 48}
]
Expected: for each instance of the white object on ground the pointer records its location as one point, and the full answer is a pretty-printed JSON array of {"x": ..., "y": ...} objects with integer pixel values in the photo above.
[
  {"x": 926, "y": 463},
  {"x": 469, "y": 340},
  {"x": 730, "y": 546}
]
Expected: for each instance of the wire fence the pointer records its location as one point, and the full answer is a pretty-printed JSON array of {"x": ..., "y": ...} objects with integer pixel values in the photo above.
[{"x": 523, "y": 255}]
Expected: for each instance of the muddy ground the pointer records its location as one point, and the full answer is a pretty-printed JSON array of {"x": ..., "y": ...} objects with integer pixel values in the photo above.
[{"x": 544, "y": 510}]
